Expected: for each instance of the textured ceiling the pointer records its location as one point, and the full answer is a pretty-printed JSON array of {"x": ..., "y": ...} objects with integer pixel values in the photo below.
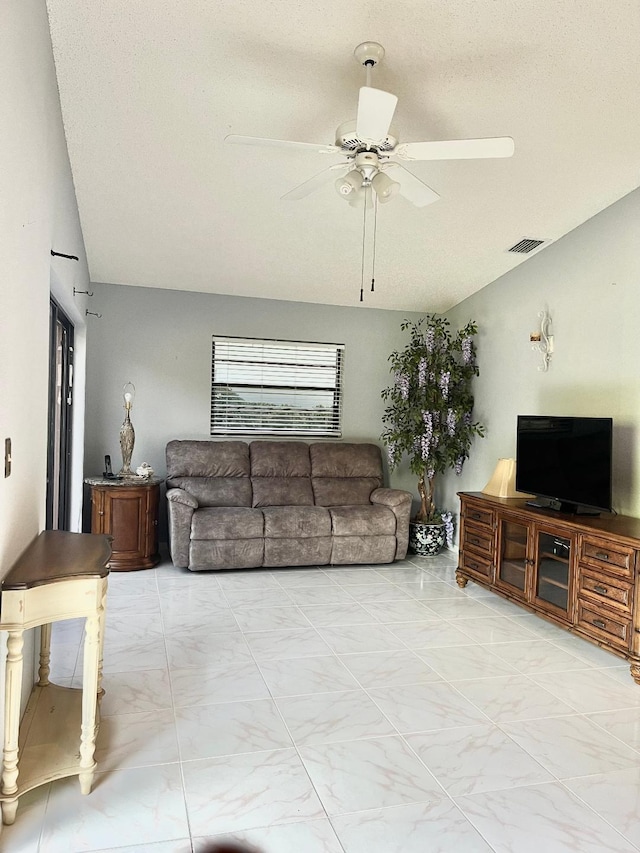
[{"x": 149, "y": 90}]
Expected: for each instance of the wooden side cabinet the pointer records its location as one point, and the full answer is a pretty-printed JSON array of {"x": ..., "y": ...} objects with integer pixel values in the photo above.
[
  {"x": 581, "y": 572},
  {"x": 127, "y": 510}
]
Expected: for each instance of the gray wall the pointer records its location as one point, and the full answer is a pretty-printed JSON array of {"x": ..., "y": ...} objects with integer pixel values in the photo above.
[
  {"x": 590, "y": 283},
  {"x": 161, "y": 341}
]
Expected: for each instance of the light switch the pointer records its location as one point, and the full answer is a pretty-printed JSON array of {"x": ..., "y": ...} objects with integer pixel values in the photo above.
[{"x": 7, "y": 457}]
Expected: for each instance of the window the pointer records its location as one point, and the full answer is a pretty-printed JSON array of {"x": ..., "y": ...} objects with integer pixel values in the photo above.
[{"x": 275, "y": 387}]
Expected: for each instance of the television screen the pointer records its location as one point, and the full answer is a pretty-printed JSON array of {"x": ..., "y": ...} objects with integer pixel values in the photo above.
[{"x": 565, "y": 459}]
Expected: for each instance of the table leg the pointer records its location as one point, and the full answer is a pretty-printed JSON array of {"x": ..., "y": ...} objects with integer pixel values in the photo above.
[
  {"x": 89, "y": 702},
  {"x": 13, "y": 689},
  {"x": 102, "y": 628},
  {"x": 45, "y": 655}
]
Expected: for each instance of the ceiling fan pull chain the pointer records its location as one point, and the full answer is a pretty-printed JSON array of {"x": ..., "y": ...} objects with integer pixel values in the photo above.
[
  {"x": 375, "y": 234},
  {"x": 364, "y": 234}
]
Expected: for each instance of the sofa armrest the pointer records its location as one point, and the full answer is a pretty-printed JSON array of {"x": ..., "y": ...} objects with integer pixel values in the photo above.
[
  {"x": 391, "y": 497},
  {"x": 179, "y": 496},
  {"x": 399, "y": 502},
  {"x": 181, "y": 507}
]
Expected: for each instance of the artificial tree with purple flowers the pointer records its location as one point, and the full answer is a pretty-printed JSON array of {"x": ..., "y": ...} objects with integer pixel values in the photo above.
[{"x": 429, "y": 406}]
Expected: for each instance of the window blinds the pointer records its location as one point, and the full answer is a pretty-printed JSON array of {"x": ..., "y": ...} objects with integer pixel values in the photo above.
[{"x": 275, "y": 387}]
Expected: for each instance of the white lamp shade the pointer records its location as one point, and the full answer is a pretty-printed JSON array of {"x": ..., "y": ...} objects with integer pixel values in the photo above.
[
  {"x": 502, "y": 483},
  {"x": 385, "y": 188}
]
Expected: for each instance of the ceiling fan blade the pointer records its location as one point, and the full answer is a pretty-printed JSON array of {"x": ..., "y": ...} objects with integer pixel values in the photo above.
[
  {"x": 412, "y": 188},
  {"x": 314, "y": 183},
  {"x": 457, "y": 149},
  {"x": 375, "y": 112},
  {"x": 280, "y": 143}
]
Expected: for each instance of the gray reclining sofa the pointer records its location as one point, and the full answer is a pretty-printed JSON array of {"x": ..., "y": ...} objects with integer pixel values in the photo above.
[{"x": 239, "y": 505}]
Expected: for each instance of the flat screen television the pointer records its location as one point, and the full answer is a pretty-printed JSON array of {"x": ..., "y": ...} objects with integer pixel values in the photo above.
[{"x": 565, "y": 461}]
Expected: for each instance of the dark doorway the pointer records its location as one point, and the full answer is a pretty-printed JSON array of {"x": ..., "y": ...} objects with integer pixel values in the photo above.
[{"x": 60, "y": 408}]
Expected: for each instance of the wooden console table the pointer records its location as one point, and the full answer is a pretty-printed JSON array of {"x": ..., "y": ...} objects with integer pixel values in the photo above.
[
  {"x": 59, "y": 576},
  {"x": 127, "y": 510},
  {"x": 580, "y": 571}
]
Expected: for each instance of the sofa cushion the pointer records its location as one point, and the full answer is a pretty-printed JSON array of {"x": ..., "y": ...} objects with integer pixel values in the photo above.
[
  {"x": 207, "y": 459},
  {"x": 352, "y": 550},
  {"x": 227, "y": 523},
  {"x": 279, "y": 459},
  {"x": 343, "y": 491},
  {"x": 226, "y": 554},
  {"x": 216, "y": 473},
  {"x": 216, "y": 491},
  {"x": 282, "y": 491},
  {"x": 296, "y": 522},
  {"x": 339, "y": 459},
  {"x": 362, "y": 521},
  {"x": 315, "y": 551}
]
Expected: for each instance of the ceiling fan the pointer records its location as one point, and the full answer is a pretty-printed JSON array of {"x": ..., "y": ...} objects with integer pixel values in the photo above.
[{"x": 372, "y": 151}]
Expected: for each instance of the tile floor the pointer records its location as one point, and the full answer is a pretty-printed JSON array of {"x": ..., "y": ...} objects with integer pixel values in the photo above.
[{"x": 343, "y": 710}]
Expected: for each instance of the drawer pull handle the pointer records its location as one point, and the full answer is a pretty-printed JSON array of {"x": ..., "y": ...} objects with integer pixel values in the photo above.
[
  {"x": 602, "y": 555},
  {"x": 601, "y": 589},
  {"x": 476, "y": 515},
  {"x": 599, "y": 623},
  {"x": 473, "y": 540},
  {"x": 473, "y": 566}
]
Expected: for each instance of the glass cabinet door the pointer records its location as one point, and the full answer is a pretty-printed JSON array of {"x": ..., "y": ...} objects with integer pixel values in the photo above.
[
  {"x": 512, "y": 560},
  {"x": 552, "y": 570}
]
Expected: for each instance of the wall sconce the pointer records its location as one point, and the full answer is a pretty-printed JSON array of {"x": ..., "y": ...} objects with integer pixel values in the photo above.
[
  {"x": 543, "y": 340},
  {"x": 127, "y": 434},
  {"x": 502, "y": 483}
]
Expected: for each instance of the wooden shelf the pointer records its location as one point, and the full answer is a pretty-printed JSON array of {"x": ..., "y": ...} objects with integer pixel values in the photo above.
[
  {"x": 552, "y": 582},
  {"x": 49, "y": 736},
  {"x": 548, "y": 555}
]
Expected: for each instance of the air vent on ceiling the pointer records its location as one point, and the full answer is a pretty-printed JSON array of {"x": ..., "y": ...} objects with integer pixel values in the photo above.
[{"x": 526, "y": 245}]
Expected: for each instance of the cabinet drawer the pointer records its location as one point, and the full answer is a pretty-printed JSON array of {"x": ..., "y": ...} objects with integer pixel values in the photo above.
[
  {"x": 605, "y": 589},
  {"x": 476, "y": 564},
  {"x": 610, "y": 558},
  {"x": 613, "y": 629},
  {"x": 478, "y": 539},
  {"x": 479, "y": 515}
]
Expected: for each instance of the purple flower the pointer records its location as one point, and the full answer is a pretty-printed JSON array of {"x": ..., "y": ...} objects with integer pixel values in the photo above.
[
  {"x": 391, "y": 454},
  {"x": 429, "y": 339},
  {"x": 425, "y": 441},
  {"x": 467, "y": 351},
  {"x": 431, "y": 474},
  {"x": 444, "y": 383},
  {"x": 451, "y": 422},
  {"x": 422, "y": 372},
  {"x": 459, "y": 464},
  {"x": 402, "y": 381},
  {"x": 447, "y": 518}
]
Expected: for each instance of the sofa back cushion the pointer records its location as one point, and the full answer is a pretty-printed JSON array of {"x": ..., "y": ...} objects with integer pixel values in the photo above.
[
  {"x": 280, "y": 473},
  {"x": 344, "y": 474},
  {"x": 216, "y": 473}
]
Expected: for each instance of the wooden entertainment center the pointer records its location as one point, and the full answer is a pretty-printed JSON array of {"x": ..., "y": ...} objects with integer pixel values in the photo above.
[{"x": 582, "y": 572}]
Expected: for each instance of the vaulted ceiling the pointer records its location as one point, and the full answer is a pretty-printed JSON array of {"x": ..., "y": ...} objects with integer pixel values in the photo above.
[{"x": 150, "y": 88}]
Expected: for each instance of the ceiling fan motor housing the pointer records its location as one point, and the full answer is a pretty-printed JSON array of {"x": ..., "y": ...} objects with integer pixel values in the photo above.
[{"x": 348, "y": 141}]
